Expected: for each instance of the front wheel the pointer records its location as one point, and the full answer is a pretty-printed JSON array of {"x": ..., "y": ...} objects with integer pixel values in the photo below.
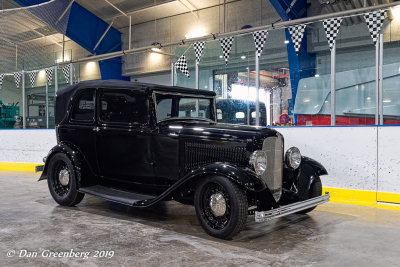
[
  {"x": 315, "y": 191},
  {"x": 221, "y": 207},
  {"x": 62, "y": 181}
]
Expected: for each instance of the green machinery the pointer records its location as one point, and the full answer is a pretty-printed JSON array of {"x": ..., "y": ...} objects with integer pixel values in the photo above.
[{"x": 9, "y": 115}]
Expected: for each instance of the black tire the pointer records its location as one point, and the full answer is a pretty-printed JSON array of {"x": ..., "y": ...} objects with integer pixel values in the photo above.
[
  {"x": 315, "y": 191},
  {"x": 65, "y": 195},
  {"x": 236, "y": 208}
]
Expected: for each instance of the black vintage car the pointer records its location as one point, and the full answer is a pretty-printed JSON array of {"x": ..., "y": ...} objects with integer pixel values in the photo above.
[{"x": 139, "y": 144}]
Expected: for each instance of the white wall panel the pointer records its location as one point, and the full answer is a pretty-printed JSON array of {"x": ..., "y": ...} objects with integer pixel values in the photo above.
[
  {"x": 28, "y": 146},
  {"x": 348, "y": 153},
  {"x": 389, "y": 159}
]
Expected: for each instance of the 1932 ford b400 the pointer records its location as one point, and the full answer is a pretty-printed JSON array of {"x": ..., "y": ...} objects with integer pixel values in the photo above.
[{"x": 138, "y": 144}]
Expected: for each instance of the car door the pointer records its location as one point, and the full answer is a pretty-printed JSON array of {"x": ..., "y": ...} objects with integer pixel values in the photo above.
[
  {"x": 79, "y": 131},
  {"x": 124, "y": 136}
]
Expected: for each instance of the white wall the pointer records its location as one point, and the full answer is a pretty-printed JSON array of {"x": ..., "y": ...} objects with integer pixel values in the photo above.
[
  {"x": 360, "y": 158},
  {"x": 26, "y": 145}
]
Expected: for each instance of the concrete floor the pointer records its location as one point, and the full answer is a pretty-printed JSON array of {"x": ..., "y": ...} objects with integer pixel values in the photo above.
[{"x": 170, "y": 235}]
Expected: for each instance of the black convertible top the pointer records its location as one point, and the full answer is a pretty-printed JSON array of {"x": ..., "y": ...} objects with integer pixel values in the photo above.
[{"x": 64, "y": 96}]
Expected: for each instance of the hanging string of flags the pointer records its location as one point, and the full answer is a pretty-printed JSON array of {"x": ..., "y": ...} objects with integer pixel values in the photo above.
[
  {"x": 33, "y": 73},
  {"x": 374, "y": 21}
]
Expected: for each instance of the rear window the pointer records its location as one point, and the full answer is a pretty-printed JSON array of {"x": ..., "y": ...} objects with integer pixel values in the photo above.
[{"x": 84, "y": 107}]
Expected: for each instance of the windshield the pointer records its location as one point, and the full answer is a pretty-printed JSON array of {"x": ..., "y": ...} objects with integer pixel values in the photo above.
[{"x": 171, "y": 106}]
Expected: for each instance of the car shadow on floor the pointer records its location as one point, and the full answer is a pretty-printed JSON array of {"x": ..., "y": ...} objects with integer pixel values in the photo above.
[{"x": 275, "y": 236}]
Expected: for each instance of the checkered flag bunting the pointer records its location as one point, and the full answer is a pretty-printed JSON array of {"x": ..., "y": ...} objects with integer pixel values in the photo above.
[
  {"x": 17, "y": 78},
  {"x": 332, "y": 27},
  {"x": 32, "y": 77},
  {"x": 374, "y": 22},
  {"x": 66, "y": 70},
  {"x": 259, "y": 40},
  {"x": 49, "y": 75},
  {"x": 181, "y": 65},
  {"x": 1, "y": 80},
  {"x": 297, "y": 33},
  {"x": 198, "y": 49},
  {"x": 226, "y": 45}
]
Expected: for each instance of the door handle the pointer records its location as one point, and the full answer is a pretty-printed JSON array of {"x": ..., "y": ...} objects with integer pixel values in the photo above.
[{"x": 96, "y": 129}]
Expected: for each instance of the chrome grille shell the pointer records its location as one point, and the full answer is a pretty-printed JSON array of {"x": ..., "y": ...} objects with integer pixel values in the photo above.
[{"x": 273, "y": 146}]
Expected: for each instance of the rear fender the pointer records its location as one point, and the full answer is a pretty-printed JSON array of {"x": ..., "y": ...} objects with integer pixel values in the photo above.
[{"x": 72, "y": 153}]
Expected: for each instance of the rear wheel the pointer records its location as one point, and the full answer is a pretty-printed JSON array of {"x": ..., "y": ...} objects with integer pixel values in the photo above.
[
  {"x": 62, "y": 181},
  {"x": 315, "y": 191},
  {"x": 221, "y": 207}
]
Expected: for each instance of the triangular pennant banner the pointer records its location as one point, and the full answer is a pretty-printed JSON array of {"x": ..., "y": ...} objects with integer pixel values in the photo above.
[
  {"x": 332, "y": 27},
  {"x": 181, "y": 65},
  {"x": 297, "y": 33},
  {"x": 49, "y": 75},
  {"x": 198, "y": 49},
  {"x": 374, "y": 22},
  {"x": 259, "y": 40},
  {"x": 1, "y": 80},
  {"x": 32, "y": 77},
  {"x": 17, "y": 77},
  {"x": 66, "y": 70},
  {"x": 226, "y": 45}
]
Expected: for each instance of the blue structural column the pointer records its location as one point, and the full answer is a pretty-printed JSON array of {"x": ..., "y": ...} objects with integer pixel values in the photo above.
[
  {"x": 86, "y": 29},
  {"x": 301, "y": 65}
]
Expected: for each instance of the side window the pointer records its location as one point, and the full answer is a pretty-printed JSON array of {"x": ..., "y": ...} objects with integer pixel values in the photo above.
[
  {"x": 83, "y": 109},
  {"x": 124, "y": 107},
  {"x": 164, "y": 108}
]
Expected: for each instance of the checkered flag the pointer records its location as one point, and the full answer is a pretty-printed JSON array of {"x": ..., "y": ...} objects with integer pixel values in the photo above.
[
  {"x": 181, "y": 65},
  {"x": 198, "y": 49},
  {"x": 374, "y": 22},
  {"x": 66, "y": 70},
  {"x": 49, "y": 75},
  {"x": 17, "y": 77},
  {"x": 332, "y": 27},
  {"x": 32, "y": 77},
  {"x": 226, "y": 45},
  {"x": 1, "y": 80},
  {"x": 259, "y": 40},
  {"x": 297, "y": 33}
]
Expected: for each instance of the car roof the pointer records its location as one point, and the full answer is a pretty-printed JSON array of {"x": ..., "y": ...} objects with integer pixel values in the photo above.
[
  {"x": 119, "y": 84},
  {"x": 64, "y": 96}
]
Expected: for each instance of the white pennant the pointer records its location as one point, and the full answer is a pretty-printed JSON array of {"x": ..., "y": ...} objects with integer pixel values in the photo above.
[
  {"x": 181, "y": 65},
  {"x": 297, "y": 33},
  {"x": 66, "y": 70},
  {"x": 32, "y": 77},
  {"x": 332, "y": 27},
  {"x": 259, "y": 40},
  {"x": 1, "y": 80},
  {"x": 198, "y": 49},
  {"x": 49, "y": 75},
  {"x": 17, "y": 78},
  {"x": 226, "y": 45},
  {"x": 374, "y": 22}
]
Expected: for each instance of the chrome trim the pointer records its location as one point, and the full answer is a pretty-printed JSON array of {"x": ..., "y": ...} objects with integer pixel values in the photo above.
[
  {"x": 273, "y": 175},
  {"x": 218, "y": 204},
  {"x": 261, "y": 216}
]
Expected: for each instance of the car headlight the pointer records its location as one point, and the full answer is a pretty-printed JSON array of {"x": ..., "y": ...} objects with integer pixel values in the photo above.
[
  {"x": 258, "y": 160},
  {"x": 293, "y": 157}
]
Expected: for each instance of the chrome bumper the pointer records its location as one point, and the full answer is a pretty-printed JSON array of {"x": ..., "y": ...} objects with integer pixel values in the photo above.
[
  {"x": 39, "y": 168},
  {"x": 261, "y": 216}
]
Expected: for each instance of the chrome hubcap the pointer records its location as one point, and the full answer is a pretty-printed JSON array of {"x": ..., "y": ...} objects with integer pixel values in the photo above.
[
  {"x": 63, "y": 177},
  {"x": 217, "y": 204}
]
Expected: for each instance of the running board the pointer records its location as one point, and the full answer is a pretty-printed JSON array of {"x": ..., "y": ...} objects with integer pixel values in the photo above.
[
  {"x": 261, "y": 216},
  {"x": 116, "y": 195}
]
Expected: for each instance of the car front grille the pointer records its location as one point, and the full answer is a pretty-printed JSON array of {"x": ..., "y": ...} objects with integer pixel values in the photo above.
[
  {"x": 199, "y": 154},
  {"x": 273, "y": 146}
]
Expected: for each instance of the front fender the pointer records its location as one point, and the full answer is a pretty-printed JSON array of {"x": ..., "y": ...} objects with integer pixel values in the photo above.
[
  {"x": 242, "y": 176},
  {"x": 73, "y": 154},
  {"x": 315, "y": 165}
]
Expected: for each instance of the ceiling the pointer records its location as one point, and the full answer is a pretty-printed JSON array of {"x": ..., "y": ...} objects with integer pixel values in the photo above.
[{"x": 145, "y": 10}]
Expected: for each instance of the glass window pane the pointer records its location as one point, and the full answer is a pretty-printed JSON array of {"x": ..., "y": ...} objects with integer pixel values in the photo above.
[
  {"x": 84, "y": 107},
  {"x": 124, "y": 107}
]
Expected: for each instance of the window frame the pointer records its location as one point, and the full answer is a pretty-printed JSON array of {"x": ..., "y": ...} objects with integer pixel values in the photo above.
[
  {"x": 75, "y": 102},
  {"x": 124, "y": 124}
]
